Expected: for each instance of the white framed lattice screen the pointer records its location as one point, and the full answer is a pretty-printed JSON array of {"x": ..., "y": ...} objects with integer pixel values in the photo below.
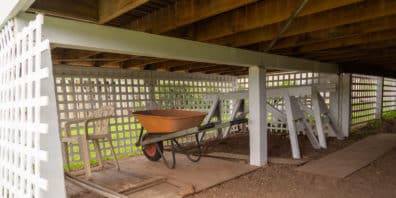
[
  {"x": 363, "y": 98},
  {"x": 24, "y": 128},
  {"x": 389, "y": 95},
  {"x": 81, "y": 90}
]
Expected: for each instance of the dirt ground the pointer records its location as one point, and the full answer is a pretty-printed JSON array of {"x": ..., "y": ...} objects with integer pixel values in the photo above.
[{"x": 376, "y": 180}]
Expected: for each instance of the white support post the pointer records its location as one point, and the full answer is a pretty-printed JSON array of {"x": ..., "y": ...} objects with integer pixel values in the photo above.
[
  {"x": 335, "y": 103},
  {"x": 52, "y": 169},
  {"x": 345, "y": 103},
  {"x": 257, "y": 116},
  {"x": 379, "y": 99}
]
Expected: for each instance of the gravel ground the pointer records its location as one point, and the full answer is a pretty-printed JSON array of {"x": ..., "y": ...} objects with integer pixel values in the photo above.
[{"x": 376, "y": 180}]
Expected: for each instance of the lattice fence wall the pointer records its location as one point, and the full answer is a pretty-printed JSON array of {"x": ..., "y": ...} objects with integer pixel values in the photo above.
[
  {"x": 80, "y": 90},
  {"x": 24, "y": 97},
  {"x": 283, "y": 79},
  {"x": 364, "y": 98},
  {"x": 389, "y": 95}
]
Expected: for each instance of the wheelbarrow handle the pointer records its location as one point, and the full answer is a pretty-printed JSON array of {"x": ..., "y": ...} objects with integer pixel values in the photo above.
[{"x": 206, "y": 126}]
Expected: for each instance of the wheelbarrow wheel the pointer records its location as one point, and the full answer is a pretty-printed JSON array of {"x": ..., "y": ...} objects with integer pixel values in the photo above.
[{"x": 150, "y": 150}]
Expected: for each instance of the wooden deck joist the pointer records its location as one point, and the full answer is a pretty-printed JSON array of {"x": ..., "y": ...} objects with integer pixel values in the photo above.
[
  {"x": 343, "y": 31},
  {"x": 258, "y": 15}
]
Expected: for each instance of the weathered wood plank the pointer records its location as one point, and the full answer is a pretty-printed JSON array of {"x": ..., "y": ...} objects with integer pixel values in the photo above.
[
  {"x": 109, "y": 10},
  {"x": 375, "y": 25},
  {"x": 182, "y": 13},
  {"x": 85, "y": 10},
  {"x": 348, "y": 41},
  {"x": 258, "y": 15}
]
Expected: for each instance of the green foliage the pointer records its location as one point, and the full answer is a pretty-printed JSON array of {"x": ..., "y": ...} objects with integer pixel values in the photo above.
[
  {"x": 374, "y": 124},
  {"x": 79, "y": 165},
  {"x": 389, "y": 115}
]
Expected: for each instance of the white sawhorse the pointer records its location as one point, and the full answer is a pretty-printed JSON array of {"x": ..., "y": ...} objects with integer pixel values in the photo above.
[
  {"x": 296, "y": 119},
  {"x": 238, "y": 111},
  {"x": 296, "y": 113}
]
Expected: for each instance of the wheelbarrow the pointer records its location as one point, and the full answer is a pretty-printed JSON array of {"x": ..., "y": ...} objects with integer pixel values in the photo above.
[{"x": 168, "y": 125}]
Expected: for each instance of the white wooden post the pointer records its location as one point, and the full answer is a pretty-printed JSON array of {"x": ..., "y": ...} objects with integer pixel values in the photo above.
[
  {"x": 335, "y": 104},
  {"x": 257, "y": 116},
  {"x": 52, "y": 169},
  {"x": 379, "y": 100},
  {"x": 345, "y": 103}
]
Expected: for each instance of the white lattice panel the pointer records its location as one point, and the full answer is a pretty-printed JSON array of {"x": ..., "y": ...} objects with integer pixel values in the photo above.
[
  {"x": 389, "y": 95},
  {"x": 289, "y": 79},
  {"x": 243, "y": 83},
  {"x": 284, "y": 79},
  {"x": 21, "y": 102},
  {"x": 364, "y": 98},
  {"x": 80, "y": 90}
]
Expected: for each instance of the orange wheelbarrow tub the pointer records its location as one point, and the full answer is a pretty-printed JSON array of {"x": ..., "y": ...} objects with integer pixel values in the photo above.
[
  {"x": 159, "y": 124},
  {"x": 168, "y": 121}
]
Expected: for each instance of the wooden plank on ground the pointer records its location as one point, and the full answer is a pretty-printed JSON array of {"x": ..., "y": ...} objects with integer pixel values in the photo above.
[
  {"x": 94, "y": 187},
  {"x": 228, "y": 156},
  {"x": 287, "y": 161},
  {"x": 130, "y": 188},
  {"x": 273, "y": 160},
  {"x": 206, "y": 173},
  {"x": 344, "y": 162}
]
